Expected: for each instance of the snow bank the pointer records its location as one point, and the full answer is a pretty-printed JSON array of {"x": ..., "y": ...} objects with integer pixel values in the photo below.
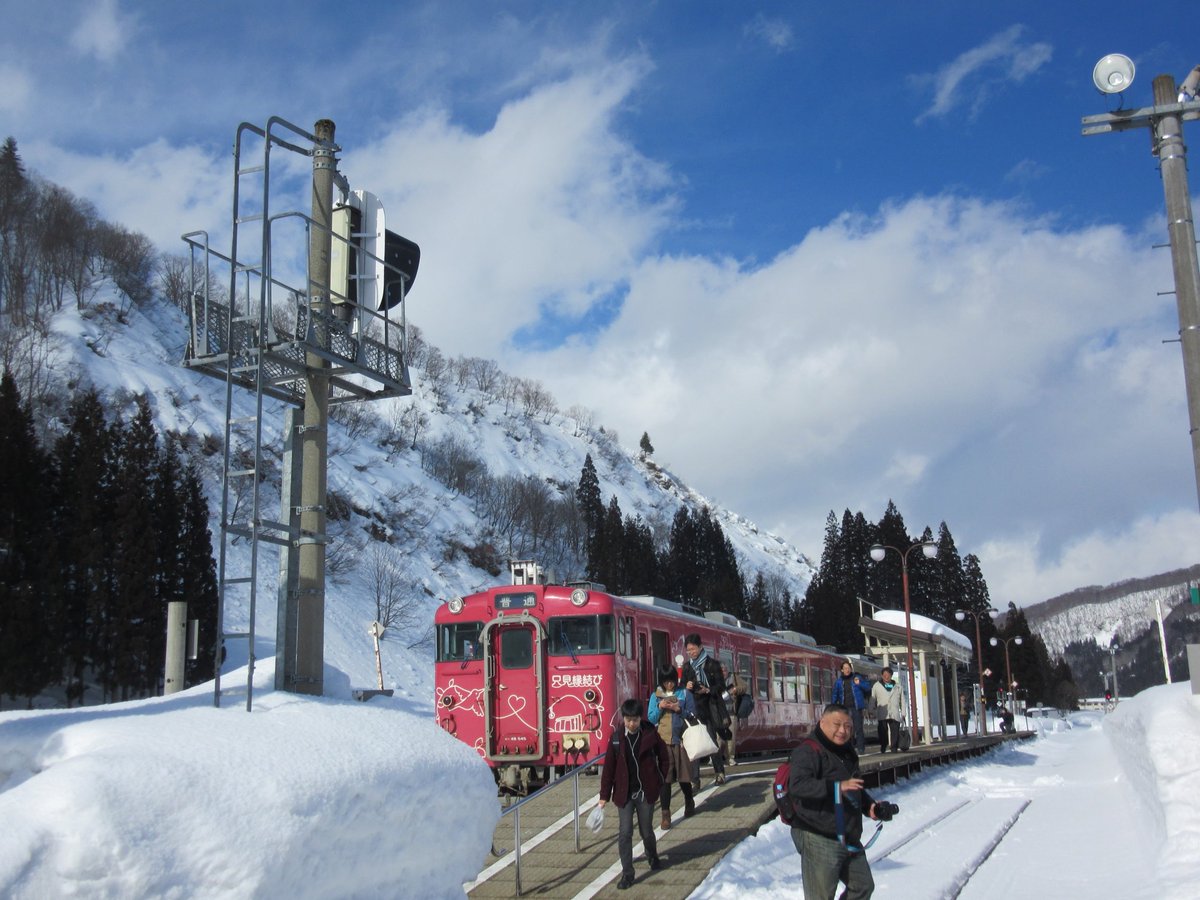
[
  {"x": 1156, "y": 736},
  {"x": 303, "y": 797}
]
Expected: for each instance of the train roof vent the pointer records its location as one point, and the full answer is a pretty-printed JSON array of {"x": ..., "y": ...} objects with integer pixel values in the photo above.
[
  {"x": 795, "y": 637},
  {"x": 715, "y": 615},
  {"x": 648, "y": 600}
]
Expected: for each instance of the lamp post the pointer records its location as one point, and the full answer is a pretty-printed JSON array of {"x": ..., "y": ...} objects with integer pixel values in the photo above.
[
  {"x": 1112, "y": 660},
  {"x": 961, "y": 615},
  {"x": 1172, "y": 107},
  {"x": 878, "y": 552},
  {"x": 1018, "y": 640}
]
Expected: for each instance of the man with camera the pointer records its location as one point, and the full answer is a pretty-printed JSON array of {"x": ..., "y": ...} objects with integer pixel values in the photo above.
[{"x": 826, "y": 790}]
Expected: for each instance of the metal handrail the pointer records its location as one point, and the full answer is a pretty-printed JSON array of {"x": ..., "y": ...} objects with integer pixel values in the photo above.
[{"x": 515, "y": 810}]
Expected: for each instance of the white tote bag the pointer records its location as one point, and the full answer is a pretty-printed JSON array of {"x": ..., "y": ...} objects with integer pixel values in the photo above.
[{"x": 697, "y": 743}]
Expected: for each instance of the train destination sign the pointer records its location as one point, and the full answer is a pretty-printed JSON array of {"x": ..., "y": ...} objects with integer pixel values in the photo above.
[{"x": 516, "y": 601}]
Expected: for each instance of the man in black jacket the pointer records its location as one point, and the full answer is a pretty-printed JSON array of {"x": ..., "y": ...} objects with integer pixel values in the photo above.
[
  {"x": 702, "y": 676},
  {"x": 824, "y": 767}
]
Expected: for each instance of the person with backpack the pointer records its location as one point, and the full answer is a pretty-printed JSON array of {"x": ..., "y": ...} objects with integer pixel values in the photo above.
[
  {"x": 889, "y": 705},
  {"x": 827, "y": 803},
  {"x": 669, "y": 706},
  {"x": 635, "y": 762},
  {"x": 702, "y": 676},
  {"x": 852, "y": 690}
]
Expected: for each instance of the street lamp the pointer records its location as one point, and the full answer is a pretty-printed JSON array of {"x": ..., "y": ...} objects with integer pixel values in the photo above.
[
  {"x": 878, "y": 552},
  {"x": 1112, "y": 659},
  {"x": 961, "y": 615},
  {"x": 1165, "y": 120},
  {"x": 1018, "y": 640}
]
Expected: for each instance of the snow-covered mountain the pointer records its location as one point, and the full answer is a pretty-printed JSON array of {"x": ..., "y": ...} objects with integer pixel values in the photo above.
[
  {"x": 1122, "y": 610},
  {"x": 384, "y": 506}
]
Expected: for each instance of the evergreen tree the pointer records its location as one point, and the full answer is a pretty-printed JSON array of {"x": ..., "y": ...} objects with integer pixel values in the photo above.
[
  {"x": 947, "y": 579},
  {"x": 199, "y": 574},
  {"x": 83, "y": 515},
  {"x": 639, "y": 556},
  {"x": 587, "y": 497},
  {"x": 758, "y": 609},
  {"x": 647, "y": 448},
  {"x": 131, "y": 629},
  {"x": 605, "y": 564},
  {"x": 28, "y": 575},
  {"x": 681, "y": 577}
]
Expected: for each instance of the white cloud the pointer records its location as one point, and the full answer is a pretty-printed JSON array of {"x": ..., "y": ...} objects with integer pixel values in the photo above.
[
  {"x": 159, "y": 189},
  {"x": 775, "y": 33},
  {"x": 103, "y": 31},
  {"x": 15, "y": 89},
  {"x": 1150, "y": 545},
  {"x": 973, "y": 75}
]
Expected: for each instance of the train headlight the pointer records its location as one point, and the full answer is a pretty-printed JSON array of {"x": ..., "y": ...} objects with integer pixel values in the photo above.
[
  {"x": 579, "y": 597},
  {"x": 447, "y": 700},
  {"x": 455, "y": 605}
]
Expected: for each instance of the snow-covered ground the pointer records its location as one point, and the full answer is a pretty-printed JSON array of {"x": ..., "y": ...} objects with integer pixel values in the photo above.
[
  {"x": 326, "y": 798},
  {"x": 1103, "y": 807},
  {"x": 302, "y": 797}
]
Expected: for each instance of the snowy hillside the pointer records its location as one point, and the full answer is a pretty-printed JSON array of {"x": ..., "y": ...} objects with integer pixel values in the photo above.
[
  {"x": 1119, "y": 611},
  {"x": 436, "y": 539}
]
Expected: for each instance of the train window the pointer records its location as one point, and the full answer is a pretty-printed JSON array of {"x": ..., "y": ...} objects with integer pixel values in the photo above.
[
  {"x": 516, "y": 648},
  {"x": 826, "y": 686},
  {"x": 763, "y": 680},
  {"x": 743, "y": 662},
  {"x": 458, "y": 641},
  {"x": 777, "y": 680},
  {"x": 579, "y": 635},
  {"x": 802, "y": 682},
  {"x": 725, "y": 658},
  {"x": 789, "y": 682}
]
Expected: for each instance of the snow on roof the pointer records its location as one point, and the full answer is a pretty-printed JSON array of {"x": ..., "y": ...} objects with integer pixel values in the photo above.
[{"x": 924, "y": 625}]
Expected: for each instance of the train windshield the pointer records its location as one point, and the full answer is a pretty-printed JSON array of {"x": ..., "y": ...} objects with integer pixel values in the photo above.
[
  {"x": 580, "y": 635},
  {"x": 458, "y": 641}
]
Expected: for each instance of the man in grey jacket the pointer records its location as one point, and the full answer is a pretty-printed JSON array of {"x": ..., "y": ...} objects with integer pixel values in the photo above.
[{"x": 889, "y": 710}]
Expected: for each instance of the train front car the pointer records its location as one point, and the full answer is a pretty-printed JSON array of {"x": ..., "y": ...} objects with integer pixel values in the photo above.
[{"x": 527, "y": 675}]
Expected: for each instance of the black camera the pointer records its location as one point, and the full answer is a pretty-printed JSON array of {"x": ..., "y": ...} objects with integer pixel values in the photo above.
[{"x": 884, "y": 810}]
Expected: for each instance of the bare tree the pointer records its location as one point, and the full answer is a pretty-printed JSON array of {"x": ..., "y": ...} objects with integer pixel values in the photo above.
[
  {"x": 486, "y": 375},
  {"x": 460, "y": 370},
  {"x": 397, "y": 604},
  {"x": 584, "y": 418}
]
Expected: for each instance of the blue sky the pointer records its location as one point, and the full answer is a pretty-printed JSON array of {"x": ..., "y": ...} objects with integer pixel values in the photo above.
[{"x": 825, "y": 255}]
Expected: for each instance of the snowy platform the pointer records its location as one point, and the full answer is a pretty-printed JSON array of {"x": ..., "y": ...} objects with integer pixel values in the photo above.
[{"x": 726, "y": 815}]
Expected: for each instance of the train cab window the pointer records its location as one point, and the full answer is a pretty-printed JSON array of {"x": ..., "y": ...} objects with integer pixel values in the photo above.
[
  {"x": 625, "y": 636},
  {"x": 516, "y": 648},
  {"x": 579, "y": 635},
  {"x": 458, "y": 641},
  {"x": 802, "y": 682},
  {"x": 760, "y": 664},
  {"x": 777, "y": 680}
]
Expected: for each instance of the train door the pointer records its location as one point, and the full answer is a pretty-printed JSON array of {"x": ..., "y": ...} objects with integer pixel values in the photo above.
[
  {"x": 514, "y": 688},
  {"x": 660, "y": 645},
  {"x": 646, "y": 678}
]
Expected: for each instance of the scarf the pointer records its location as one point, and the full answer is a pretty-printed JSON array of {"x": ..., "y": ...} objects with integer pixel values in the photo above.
[{"x": 698, "y": 668}]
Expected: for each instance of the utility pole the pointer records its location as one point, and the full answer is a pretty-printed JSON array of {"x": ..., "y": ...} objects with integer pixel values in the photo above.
[
  {"x": 314, "y": 434},
  {"x": 1165, "y": 121}
]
